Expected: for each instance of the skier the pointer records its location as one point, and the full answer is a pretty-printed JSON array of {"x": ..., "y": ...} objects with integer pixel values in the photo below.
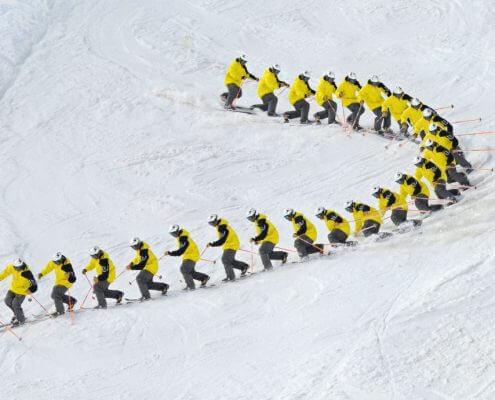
[
  {"x": 146, "y": 263},
  {"x": 23, "y": 284},
  {"x": 234, "y": 77},
  {"x": 267, "y": 234},
  {"x": 298, "y": 93},
  {"x": 372, "y": 94},
  {"x": 411, "y": 116},
  {"x": 324, "y": 97},
  {"x": 394, "y": 105},
  {"x": 269, "y": 82},
  {"x": 388, "y": 200},
  {"x": 419, "y": 192},
  {"x": 449, "y": 141},
  {"x": 437, "y": 178},
  {"x": 367, "y": 219},
  {"x": 442, "y": 157},
  {"x": 304, "y": 233},
  {"x": 347, "y": 93},
  {"x": 228, "y": 239},
  {"x": 105, "y": 275},
  {"x": 337, "y": 225},
  {"x": 64, "y": 279},
  {"x": 190, "y": 256},
  {"x": 421, "y": 128}
]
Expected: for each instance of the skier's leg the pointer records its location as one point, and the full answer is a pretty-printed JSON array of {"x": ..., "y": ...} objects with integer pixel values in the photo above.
[
  {"x": 332, "y": 111},
  {"x": 421, "y": 203},
  {"x": 398, "y": 216},
  {"x": 460, "y": 159},
  {"x": 9, "y": 298},
  {"x": 300, "y": 247},
  {"x": 271, "y": 103},
  {"x": 143, "y": 279},
  {"x": 442, "y": 192},
  {"x": 199, "y": 276},
  {"x": 303, "y": 107},
  {"x": 387, "y": 121},
  {"x": 324, "y": 113},
  {"x": 240, "y": 265},
  {"x": 265, "y": 251},
  {"x": 99, "y": 289},
  {"x": 353, "y": 116},
  {"x": 227, "y": 261},
  {"x": 58, "y": 294},
  {"x": 337, "y": 236},
  {"x": 187, "y": 269},
  {"x": 457, "y": 176},
  {"x": 378, "y": 118},
  {"x": 17, "y": 308},
  {"x": 292, "y": 114},
  {"x": 235, "y": 92},
  {"x": 370, "y": 227}
]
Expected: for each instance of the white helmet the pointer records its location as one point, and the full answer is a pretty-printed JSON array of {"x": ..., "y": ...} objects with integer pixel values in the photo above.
[
  {"x": 427, "y": 112},
  {"x": 18, "y": 263},
  {"x": 251, "y": 215},
  {"x": 289, "y": 213},
  {"x": 174, "y": 229},
  {"x": 134, "y": 242},
  {"x": 243, "y": 57},
  {"x": 352, "y": 75},
  {"x": 399, "y": 176},
  {"x": 306, "y": 74},
  {"x": 276, "y": 67},
  {"x": 330, "y": 75},
  {"x": 415, "y": 102},
  {"x": 57, "y": 257},
  {"x": 398, "y": 90},
  {"x": 320, "y": 212},
  {"x": 429, "y": 144},
  {"x": 433, "y": 127},
  {"x": 376, "y": 191},
  {"x": 418, "y": 160},
  {"x": 374, "y": 79},
  {"x": 94, "y": 251},
  {"x": 213, "y": 219},
  {"x": 349, "y": 205}
]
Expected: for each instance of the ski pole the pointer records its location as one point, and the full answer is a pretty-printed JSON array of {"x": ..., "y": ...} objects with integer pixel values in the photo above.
[
  {"x": 247, "y": 251},
  {"x": 357, "y": 116},
  {"x": 477, "y": 133},
  {"x": 283, "y": 249},
  {"x": 89, "y": 291},
  {"x": 252, "y": 258},
  {"x": 41, "y": 305},
  {"x": 6, "y": 326},
  {"x": 444, "y": 108},
  {"x": 134, "y": 280},
  {"x": 311, "y": 244},
  {"x": 483, "y": 169},
  {"x": 335, "y": 113},
  {"x": 117, "y": 277},
  {"x": 70, "y": 306},
  {"x": 210, "y": 261},
  {"x": 344, "y": 120},
  {"x": 482, "y": 150},
  {"x": 467, "y": 120}
]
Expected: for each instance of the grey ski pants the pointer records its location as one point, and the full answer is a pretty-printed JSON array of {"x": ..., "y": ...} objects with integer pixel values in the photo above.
[
  {"x": 145, "y": 283},
  {"x": 380, "y": 121},
  {"x": 454, "y": 176},
  {"x": 398, "y": 216},
  {"x": 14, "y": 302},
  {"x": 267, "y": 254},
  {"x": 304, "y": 246},
  {"x": 421, "y": 203},
  {"x": 370, "y": 227},
  {"x": 442, "y": 192},
  {"x": 234, "y": 92},
  {"x": 330, "y": 109},
  {"x": 302, "y": 110},
  {"x": 190, "y": 274},
  {"x": 59, "y": 298},
  {"x": 229, "y": 263},
  {"x": 269, "y": 104},
  {"x": 337, "y": 236},
  {"x": 460, "y": 159},
  {"x": 102, "y": 293},
  {"x": 356, "y": 111}
]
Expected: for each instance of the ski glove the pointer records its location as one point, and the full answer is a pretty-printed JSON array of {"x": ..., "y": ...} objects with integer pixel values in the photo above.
[
  {"x": 84, "y": 271},
  {"x": 40, "y": 276}
]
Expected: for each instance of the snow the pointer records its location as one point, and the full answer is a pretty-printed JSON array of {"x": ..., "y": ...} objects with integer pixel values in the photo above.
[{"x": 111, "y": 128}]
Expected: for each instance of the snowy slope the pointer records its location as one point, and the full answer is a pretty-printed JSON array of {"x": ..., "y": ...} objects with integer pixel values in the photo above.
[{"x": 111, "y": 128}]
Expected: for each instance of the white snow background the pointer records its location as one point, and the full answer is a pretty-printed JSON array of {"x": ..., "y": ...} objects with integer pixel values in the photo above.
[{"x": 110, "y": 127}]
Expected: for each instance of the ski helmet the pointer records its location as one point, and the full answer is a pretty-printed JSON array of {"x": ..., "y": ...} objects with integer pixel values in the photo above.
[
  {"x": 94, "y": 251},
  {"x": 349, "y": 205},
  {"x": 399, "y": 177},
  {"x": 289, "y": 213},
  {"x": 433, "y": 127},
  {"x": 418, "y": 161},
  {"x": 252, "y": 215},
  {"x": 415, "y": 102},
  {"x": 57, "y": 257},
  {"x": 320, "y": 212},
  {"x": 19, "y": 263},
  {"x": 243, "y": 57},
  {"x": 376, "y": 191},
  {"x": 330, "y": 75},
  {"x": 352, "y": 76},
  {"x": 398, "y": 91},
  {"x": 429, "y": 144},
  {"x": 213, "y": 219},
  {"x": 174, "y": 230},
  {"x": 427, "y": 113},
  {"x": 135, "y": 243},
  {"x": 374, "y": 79},
  {"x": 276, "y": 68},
  {"x": 306, "y": 75}
]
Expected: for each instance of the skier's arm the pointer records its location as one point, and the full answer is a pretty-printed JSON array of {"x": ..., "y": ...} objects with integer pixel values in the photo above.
[
  {"x": 224, "y": 233},
  {"x": 302, "y": 226},
  {"x": 264, "y": 230},
  {"x": 6, "y": 272},
  {"x": 142, "y": 263},
  {"x": 406, "y": 97},
  {"x": 48, "y": 268},
  {"x": 249, "y": 74},
  {"x": 67, "y": 268},
  {"x": 105, "y": 270},
  {"x": 184, "y": 243},
  {"x": 33, "y": 287}
]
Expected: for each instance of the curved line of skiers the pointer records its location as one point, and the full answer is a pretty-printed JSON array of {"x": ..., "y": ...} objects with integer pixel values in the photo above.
[{"x": 437, "y": 164}]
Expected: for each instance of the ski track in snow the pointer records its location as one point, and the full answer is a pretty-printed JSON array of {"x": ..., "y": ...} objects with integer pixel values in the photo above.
[{"x": 111, "y": 128}]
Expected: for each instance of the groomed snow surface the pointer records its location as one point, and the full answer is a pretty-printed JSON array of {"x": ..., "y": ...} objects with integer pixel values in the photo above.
[{"x": 111, "y": 128}]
